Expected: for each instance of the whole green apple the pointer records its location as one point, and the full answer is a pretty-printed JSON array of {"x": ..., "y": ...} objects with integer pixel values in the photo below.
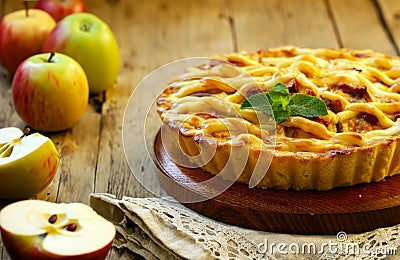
[
  {"x": 28, "y": 163},
  {"x": 36, "y": 229},
  {"x": 50, "y": 92},
  {"x": 22, "y": 34},
  {"x": 90, "y": 41}
]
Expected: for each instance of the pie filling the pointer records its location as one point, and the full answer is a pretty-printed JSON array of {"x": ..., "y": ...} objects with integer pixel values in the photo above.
[{"x": 356, "y": 142}]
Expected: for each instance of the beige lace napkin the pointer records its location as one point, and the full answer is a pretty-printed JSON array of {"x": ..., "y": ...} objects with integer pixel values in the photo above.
[{"x": 161, "y": 228}]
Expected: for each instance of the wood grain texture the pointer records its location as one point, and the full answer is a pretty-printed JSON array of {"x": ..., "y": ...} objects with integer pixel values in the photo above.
[
  {"x": 265, "y": 24},
  {"x": 359, "y": 26},
  {"x": 351, "y": 209},
  {"x": 391, "y": 18}
]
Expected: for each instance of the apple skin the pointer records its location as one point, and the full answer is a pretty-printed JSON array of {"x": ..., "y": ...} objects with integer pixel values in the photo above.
[
  {"x": 22, "y": 36},
  {"x": 21, "y": 180},
  {"x": 27, "y": 176},
  {"x": 50, "y": 96},
  {"x": 59, "y": 9},
  {"x": 29, "y": 247},
  {"x": 90, "y": 41},
  {"x": 19, "y": 247}
]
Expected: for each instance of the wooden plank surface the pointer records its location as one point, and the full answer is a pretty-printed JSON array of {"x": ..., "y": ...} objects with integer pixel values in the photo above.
[
  {"x": 391, "y": 20},
  {"x": 153, "y": 33},
  {"x": 360, "y": 26},
  {"x": 264, "y": 24}
]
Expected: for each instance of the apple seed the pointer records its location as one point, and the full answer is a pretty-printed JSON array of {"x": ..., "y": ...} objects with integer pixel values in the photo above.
[
  {"x": 53, "y": 219},
  {"x": 71, "y": 227}
]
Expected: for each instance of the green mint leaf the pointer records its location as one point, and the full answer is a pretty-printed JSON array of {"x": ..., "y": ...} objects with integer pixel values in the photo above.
[
  {"x": 285, "y": 101},
  {"x": 307, "y": 106},
  {"x": 280, "y": 114},
  {"x": 259, "y": 102},
  {"x": 279, "y": 93},
  {"x": 283, "y": 105}
]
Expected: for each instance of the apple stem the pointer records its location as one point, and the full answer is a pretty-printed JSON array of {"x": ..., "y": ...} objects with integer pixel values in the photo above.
[
  {"x": 26, "y": 132},
  {"x": 26, "y": 8},
  {"x": 85, "y": 27},
  {"x": 51, "y": 57}
]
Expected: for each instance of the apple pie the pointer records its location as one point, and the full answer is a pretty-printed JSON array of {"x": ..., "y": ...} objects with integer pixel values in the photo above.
[{"x": 356, "y": 141}]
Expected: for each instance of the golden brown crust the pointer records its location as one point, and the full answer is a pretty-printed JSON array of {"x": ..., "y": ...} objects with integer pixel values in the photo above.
[{"x": 357, "y": 142}]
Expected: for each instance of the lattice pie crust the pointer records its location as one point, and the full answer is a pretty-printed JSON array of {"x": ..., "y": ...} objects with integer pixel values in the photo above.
[{"x": 357, "y": 142}]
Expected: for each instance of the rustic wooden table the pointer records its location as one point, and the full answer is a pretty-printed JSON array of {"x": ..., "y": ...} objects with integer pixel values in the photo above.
[{"x": 155, "y": 32}]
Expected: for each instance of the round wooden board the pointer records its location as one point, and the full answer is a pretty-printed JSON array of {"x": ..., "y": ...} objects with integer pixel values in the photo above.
[{"x": 351, "y": 209}]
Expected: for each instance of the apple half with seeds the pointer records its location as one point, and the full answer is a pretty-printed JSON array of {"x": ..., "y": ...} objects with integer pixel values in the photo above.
[
  {"x": 28, "y": 163},
  {"x": 36, "y": 229}
]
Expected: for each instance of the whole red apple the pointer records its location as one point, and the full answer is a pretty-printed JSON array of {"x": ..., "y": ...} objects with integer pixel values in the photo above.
[
  {"x": 22, "y": 34},
  {"x": 50, "y": 92},
  {"x": 58, "y": 9}
]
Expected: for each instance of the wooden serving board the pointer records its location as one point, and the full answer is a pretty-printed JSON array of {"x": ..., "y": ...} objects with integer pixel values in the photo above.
[{"x": 351, "y": 209}]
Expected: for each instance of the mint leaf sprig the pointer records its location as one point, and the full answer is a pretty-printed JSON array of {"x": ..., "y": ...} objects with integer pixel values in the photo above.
[{"x": 283, "y": 105}]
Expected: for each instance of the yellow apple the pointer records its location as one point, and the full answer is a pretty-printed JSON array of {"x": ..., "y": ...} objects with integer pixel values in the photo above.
[
  {"x": 50, "y": 92},
  {"x": 28, "y": 163},
  {"x": 90, "y": 41}
]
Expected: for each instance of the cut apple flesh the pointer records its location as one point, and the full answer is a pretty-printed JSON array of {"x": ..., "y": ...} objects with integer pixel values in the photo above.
[
  {"x": 64, "y": 229},
  {"x": 7, "y": 136},
  {"x": 17, "y": 147},
  {"x": 28, "y": 163}
]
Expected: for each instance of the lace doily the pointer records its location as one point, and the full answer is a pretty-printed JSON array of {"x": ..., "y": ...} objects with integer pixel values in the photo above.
[{"x": 165, "y": 226}]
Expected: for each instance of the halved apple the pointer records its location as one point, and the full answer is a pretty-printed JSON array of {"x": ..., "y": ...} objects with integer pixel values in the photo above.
[
  {"x": 28, "y": 163},
  {"x": 36, "y": 229}
]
